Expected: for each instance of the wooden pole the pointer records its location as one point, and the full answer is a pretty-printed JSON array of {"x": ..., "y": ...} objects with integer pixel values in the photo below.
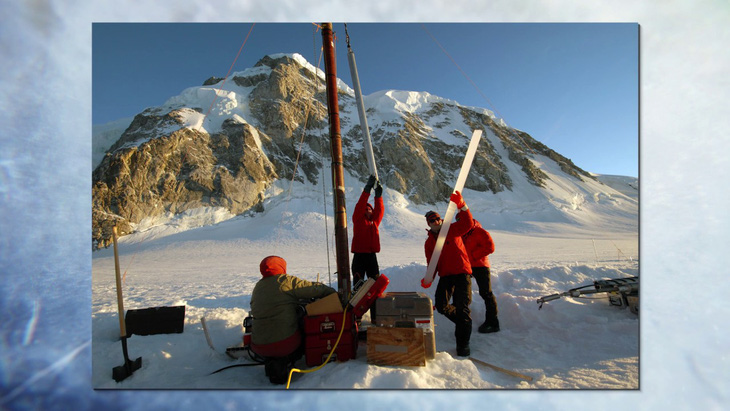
[
  {"x": 338, "y": 175},
  {"x": 117, "y": 272}
]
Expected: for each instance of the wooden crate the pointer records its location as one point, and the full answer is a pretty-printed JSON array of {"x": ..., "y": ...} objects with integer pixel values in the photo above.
[{"x": 396, "y": 346}]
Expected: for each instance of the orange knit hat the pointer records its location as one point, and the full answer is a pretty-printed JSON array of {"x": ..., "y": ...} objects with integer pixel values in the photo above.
[{"x": 272, "y": 265}]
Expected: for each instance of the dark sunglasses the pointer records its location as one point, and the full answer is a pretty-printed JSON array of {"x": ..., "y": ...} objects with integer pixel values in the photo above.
[{"x": 433, "y": 220}]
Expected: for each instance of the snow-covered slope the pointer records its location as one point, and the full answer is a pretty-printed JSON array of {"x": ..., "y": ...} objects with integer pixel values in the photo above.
[
  {"x": 628, "y": 186},
  {"x": 212, "y": 269}
]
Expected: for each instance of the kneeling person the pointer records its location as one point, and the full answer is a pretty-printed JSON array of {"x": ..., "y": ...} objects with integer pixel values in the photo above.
[{"x": 275, "y": 302}]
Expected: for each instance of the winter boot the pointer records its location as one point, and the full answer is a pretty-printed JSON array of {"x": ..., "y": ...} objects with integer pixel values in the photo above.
[
  {"x": 277, "y": 369},
  {"x": 463, "y": 350},
  {"x": 489, "y": 327}
]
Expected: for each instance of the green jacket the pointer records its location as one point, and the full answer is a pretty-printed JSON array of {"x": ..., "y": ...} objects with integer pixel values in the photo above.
[{"x": 274, "y": 302}]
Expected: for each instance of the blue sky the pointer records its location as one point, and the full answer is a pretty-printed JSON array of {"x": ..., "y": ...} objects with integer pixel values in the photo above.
[{"x": 572, "y": 86}]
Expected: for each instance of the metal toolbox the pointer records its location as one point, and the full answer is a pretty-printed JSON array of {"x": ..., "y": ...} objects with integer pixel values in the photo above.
[
  {"x": 404, "y": 309},
  {"x": 407, "y": 310}
]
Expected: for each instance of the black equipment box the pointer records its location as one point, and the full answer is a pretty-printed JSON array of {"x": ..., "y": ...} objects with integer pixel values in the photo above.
[{"x": 155, "y": 320}]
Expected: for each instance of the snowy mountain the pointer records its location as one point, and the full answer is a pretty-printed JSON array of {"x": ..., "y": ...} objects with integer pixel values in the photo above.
[
  {"x": 623, "y": 184},
  {"x": 237, "y": 144},
  {"x": 222, "y": 175}
]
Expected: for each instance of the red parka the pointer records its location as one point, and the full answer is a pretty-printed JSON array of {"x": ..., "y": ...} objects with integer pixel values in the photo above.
[
  {"x": 479, "y": 245},
  {"x": 453, "y": 259},
  {"x": 365, "y": 234}
]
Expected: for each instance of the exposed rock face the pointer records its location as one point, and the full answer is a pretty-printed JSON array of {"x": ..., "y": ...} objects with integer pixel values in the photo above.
[
  {"x": 289, "y": 105},
  {"x": 151, "y": 170},
  {"x": 184, "y": 170},
  {"x": 212, "y": 80}
]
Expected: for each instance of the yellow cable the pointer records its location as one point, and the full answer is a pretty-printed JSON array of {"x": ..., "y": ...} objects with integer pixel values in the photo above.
[{"x": 293, "y": 370}]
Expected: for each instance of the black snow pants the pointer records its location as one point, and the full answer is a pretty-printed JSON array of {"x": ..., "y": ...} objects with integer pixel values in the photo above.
[
  {"x": 483, "y": 277},
  {"x": 364, "y": 264},
  {"x": 458, "y": 287}
]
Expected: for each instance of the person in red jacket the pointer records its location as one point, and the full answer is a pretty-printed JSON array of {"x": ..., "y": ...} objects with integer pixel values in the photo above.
[
  {"x": 479, "y": 245},
  {"x": 365, "y": 234},
  {"x": 454, "y": 272}
]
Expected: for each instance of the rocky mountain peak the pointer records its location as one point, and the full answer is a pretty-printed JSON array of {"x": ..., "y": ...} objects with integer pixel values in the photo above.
[{"x": 273, "y": 120}]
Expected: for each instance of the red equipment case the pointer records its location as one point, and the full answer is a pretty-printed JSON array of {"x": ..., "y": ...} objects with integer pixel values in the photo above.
[
  {"x": 318, "y": 346},
  {"x": 320, "y": 335},
  {"x": 365, "y": 296},
  {"x": 327, "y": 324}
]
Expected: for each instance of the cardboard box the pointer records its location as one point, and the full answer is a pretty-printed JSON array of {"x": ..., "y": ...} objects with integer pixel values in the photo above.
[
  {"x": 326, "y": 305},
  {"x": 396, "y": 346}
]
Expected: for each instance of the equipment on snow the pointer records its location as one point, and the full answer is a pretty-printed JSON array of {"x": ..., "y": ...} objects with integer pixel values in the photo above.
[
  {"x": 500, "y": 369},
  {"x": 321, "y": 333},
  {"x": 247, "y": 330},
  {"x": 367, "y": 293},
  {"x": 396, "y": 346},
  {"x": 325, "y": 305},
  {"x": 408, "y": 310},
  {"x": 156, "y": 320},
  {"x": 129, "y": 367},
  {"x": 240, "y": 350},
  {"x": 622, "y": 292},
  {"x": 451, "y": 210}
]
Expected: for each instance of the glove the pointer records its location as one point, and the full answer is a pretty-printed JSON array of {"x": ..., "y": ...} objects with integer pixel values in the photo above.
[
  {"x": 458, "y": 200},
  {"x": 369, "y": 184},
  {"x": 424, "y": 284},
  {"x": 378, "y": 189}
]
